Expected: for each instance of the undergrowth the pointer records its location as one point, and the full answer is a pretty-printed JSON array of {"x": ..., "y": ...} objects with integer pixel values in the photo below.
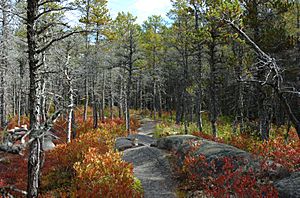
[{"x": 89, "y": 166}]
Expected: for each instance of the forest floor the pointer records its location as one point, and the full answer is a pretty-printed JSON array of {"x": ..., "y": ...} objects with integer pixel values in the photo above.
[{"x": 151, "y": 165}]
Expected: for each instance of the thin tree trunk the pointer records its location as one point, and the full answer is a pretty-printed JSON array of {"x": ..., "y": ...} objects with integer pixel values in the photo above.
[
  {"x": 86, "y": 105},
  {"x": 154, "y": 100},
  {"x": 111, "y": 103},
  {"x": 160, "y": 107},
  {"x": 19, "y": 107},
  {"x": 95, "y": 109},
  {"x": 129, "y": 81},
  {"x": 2, "y": 104},
  {"x": 71, "y": 101},
  {"x": 212, "y": 87},
  {"x": 103, "y": 95},
  {"x": 199, "y": 79},
  {"x": 121, "y": 99}
]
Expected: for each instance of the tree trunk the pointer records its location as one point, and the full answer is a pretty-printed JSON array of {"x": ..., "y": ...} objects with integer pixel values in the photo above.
[
  {"x": 103, "y": 96},
  {"x": 35, "y": 151},
  {"x": 95, "y": 109},
  {"x": 2, "y": 104},
  {"x": 4, "y": 61},
  {"x": 121, "y": 99},
  {"x": 111, "y": 103},
  {"x": 129, "y": 81},
  {"x": 160, "y": 107},
  {"x": 199, "y": 77},
  {"x": 86, "y": 104},
  {"x": 71, "y": 103},
  {"x": 212, "y": 86},
  {"x": 154, "y": 99}
]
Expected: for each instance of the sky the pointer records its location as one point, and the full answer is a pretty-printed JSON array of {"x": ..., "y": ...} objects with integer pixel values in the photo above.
[{"x": 140, "y": 8}]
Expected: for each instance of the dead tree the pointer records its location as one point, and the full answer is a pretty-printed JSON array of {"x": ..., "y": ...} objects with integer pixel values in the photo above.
[
  {"x": 71, "y": 99},
  {"x": 3, "y": 58},
  {"x": 273, "y": 76},
  {"x": 34, "y": 51}
]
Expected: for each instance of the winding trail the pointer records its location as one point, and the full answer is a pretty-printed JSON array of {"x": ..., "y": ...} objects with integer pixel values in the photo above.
[{"x": 151, "y": 165}]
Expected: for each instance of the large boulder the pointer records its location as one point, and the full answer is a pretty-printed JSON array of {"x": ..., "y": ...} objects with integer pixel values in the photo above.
[
  {"x": 142, "y": 139},
  {"x": 182, "y": 145},
  {"x": 213, "y": 150},
  {"x": 48, "y": 144},
  {"x": 176, "y": 142},
  {"x": 133, "y": 140},
  {"x": 123, "y": 143},
  {"x": 289, "y": 187}
]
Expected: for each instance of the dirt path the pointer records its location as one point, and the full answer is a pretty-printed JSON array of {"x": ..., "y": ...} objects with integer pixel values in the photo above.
[{"x": 151, "y": 165}]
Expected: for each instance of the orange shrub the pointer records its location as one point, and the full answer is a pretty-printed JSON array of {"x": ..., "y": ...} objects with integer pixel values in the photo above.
[
  {"x": 104, "y": 176},
  {"x": 89, "y": 162}
]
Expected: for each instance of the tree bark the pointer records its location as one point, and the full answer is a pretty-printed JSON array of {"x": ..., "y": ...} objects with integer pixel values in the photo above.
[
  {"x": 212, "y": 86},
  {"x": 198, "y": 98},
  {"x": 103, "y": 95},
  {"x": 35, "y": 151},
  {"x": 4, "y": 61}
]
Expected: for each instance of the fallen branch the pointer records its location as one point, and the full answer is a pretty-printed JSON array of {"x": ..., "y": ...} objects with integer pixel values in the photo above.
[
  {"x": 4, "y": 191},
  {"x": 274, "y": 77}
]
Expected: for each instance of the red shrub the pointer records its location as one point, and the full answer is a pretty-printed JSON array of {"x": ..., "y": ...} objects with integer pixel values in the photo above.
[{"x": 223, "y": 177}]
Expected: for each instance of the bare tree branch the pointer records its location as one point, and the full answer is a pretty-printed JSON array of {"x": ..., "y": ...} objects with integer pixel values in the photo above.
[
  {"x": 57, "y": 39},
  {"x": 273, "y": 78},
  {"x": 52, "y": 10}
]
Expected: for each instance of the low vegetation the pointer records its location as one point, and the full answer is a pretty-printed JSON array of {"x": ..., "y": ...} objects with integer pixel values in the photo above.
[
  {"x": 88, "y": 166},
  {"x": 230, "y": 179}
]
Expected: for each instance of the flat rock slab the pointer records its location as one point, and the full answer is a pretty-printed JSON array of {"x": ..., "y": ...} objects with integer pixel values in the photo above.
[
  {"x": 212, "y": 150},
  {"x": 142, "y": 139},
  {"x": 174, "y": 143},
  {"x": 147, "y": 128},
  {"x": 289, "y": 187},
  {"x": 152, "y": 167},
  {"x": 123, "y": 143}
]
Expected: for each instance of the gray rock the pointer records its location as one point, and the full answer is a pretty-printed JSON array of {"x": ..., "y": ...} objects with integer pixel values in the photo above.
[
  {"x": 147, "y": 128},
  {"x": 173, "y": 143},
  {"x": 152, "y": 168},
  {"x": 181, "y": 145},
  {"x": 48, "y": 144},
  {"x": 213, "y": 150},
  {"x": 289, "y": 187},
  {"x": 142, "y": 139},
  {"x": 123, "y": 143}
]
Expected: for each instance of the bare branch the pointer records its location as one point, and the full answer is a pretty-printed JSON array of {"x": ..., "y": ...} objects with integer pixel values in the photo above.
[
  {"x": 53, "y": 10},
  {"x": 48, "y": 1},
  {"x": 44, "y": 28},
  {"x": 57, "y": 39},
  {"x": 4, "y": 190},
  {"x": 249, "y": 40}
]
